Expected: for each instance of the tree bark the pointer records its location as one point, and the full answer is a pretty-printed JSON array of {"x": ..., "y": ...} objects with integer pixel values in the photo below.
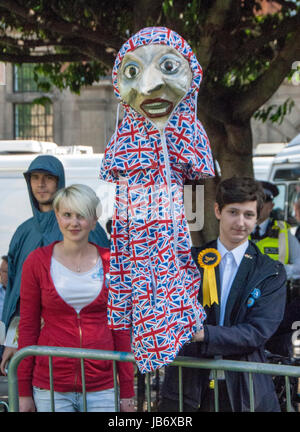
[
  {"x": 232, "y": 149},
  {"x": 235, "y": 158},
  {"x": 146, "y": 13}
]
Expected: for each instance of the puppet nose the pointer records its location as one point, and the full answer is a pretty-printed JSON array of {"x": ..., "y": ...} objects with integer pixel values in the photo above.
[{"x": 151, "y": 81}]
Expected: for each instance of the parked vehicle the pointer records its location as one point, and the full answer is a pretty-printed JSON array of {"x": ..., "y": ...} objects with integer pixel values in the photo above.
[
  {"x": 263, "y": 157},
  {"x": 285, "y": 173}
]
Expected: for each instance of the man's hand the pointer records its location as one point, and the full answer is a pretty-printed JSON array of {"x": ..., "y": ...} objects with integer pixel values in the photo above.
[
  {"x": 6, "y": 356},
  {"x": 26, "y": 404}
]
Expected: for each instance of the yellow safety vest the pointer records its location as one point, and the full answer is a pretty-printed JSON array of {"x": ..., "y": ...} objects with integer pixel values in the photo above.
[{"x": 276, "y": 247}]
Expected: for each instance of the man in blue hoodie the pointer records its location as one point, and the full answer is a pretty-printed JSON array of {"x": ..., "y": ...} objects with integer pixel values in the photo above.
[{"x": 44, "y": 177}]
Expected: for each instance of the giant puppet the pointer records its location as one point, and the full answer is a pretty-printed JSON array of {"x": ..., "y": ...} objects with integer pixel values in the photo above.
[{"x": 158, "y": 145}]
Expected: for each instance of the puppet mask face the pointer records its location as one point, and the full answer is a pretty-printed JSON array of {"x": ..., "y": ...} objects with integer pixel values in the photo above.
[{"x": 153, "y": 79}]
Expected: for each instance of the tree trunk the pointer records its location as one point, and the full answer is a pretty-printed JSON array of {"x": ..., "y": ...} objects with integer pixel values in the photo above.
[
  {"x": 232, "y": 149},
  {"x": 235, "y": 158},
  {"x": 146, "y": 13}
]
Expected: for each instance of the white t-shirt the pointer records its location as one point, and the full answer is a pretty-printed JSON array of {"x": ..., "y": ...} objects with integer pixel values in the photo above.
[{"x": 77, "y": 289}]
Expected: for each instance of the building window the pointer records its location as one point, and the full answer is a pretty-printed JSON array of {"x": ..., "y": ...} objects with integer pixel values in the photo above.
[
  {"x": 33, "y": 121},
  {"x": 24, "y": 78}
]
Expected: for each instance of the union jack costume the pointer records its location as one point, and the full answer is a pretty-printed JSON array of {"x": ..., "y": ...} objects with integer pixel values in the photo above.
[{"x": 153, "y": 279}]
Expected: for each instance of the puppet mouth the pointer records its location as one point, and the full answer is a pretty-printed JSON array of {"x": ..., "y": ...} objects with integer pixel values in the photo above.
[{"x": 156, "y": 107}]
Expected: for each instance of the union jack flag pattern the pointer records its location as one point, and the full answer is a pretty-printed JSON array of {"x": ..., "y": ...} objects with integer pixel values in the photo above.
[{"x": 153, "y": 280}]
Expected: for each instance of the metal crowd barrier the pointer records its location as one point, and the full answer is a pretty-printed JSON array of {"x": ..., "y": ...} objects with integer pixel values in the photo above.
[{"x": 190, "y": 362}]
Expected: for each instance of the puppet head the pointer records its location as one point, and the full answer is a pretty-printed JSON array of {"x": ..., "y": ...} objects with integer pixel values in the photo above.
[
  {"x": 157, "y": 76},
  {"x": 153, "y": 71}
]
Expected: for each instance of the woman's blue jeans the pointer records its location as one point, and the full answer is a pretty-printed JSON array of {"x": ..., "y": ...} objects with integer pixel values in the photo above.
[{"x": 100, "y": 401}]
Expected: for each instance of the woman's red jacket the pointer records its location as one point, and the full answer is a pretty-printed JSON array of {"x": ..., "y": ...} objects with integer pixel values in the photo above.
[{"x": 63, "y": 327}]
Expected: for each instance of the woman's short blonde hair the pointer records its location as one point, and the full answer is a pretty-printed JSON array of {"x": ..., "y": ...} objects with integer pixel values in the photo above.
[{"x": 79, "y": 198}]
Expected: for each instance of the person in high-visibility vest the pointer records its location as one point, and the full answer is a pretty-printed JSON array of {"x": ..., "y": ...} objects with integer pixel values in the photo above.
[
  {"x": 273, "y": 237},
  {"x": 276, "y": 240}
]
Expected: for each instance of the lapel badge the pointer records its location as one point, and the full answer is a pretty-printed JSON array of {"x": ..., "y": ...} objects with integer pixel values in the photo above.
[
  {"x": 250, "y": 302},
  {"x": 256, "y": 293},
  {"x": 248, "y": 256}
]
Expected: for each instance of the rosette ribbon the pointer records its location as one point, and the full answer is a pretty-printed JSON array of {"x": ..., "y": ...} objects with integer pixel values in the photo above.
[{"x": 208, "y": 259}]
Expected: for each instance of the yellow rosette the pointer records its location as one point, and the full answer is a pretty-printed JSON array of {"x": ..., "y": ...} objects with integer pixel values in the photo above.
[{"x": 208, "y": 259}]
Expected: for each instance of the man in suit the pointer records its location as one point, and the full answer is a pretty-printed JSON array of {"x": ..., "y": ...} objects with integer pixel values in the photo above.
[{"x": 251, "y": 290}]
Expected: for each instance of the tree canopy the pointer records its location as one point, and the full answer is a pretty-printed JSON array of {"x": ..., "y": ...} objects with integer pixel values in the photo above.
[
  {"x": 245, "y": 51},
  {"x": 236, "y": 43}
]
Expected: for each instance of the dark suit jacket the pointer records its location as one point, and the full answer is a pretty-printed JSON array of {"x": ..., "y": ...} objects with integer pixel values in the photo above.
[
  {"x": 297, "y": 233},
  {"x": 243, "y": 336}
]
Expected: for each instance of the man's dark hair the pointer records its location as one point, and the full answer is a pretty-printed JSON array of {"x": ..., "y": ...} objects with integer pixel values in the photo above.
[
  {"x": 239, "y": 190},
  {"x": 5, "y": 258}
]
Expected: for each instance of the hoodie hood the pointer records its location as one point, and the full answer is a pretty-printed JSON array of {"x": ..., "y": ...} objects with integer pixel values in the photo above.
[
  {"x": 44, "y": 163},
  {"x": 45, "y": 222},
  {"x": 40, "y": 230},
  {"x": 185, "y": 136}
]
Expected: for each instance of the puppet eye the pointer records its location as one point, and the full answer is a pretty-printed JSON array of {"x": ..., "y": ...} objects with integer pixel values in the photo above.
[
  {"x": 169, "y": 65},
  {"x": 131, "y": 71}
]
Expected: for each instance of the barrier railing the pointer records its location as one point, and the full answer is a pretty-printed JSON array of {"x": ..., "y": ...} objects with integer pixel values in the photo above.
[{"x": 190, "y": 362}]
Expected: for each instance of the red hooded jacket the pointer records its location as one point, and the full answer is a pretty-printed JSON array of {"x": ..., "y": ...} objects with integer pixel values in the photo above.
[{"x": 63, "y": 327}]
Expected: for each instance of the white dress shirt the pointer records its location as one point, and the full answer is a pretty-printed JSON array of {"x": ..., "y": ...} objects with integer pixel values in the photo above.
[{"x": 230, "y": 262}]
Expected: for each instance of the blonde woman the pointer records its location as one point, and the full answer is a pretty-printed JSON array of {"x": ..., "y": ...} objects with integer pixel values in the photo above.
[{"x": 63, "y": 285}]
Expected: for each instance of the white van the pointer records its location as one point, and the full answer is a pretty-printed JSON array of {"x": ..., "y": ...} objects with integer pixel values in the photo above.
[
  {"x": 285, "y": 173},
  {"x": 263, "y": 157},
  {"x": 81, "y": 166}
]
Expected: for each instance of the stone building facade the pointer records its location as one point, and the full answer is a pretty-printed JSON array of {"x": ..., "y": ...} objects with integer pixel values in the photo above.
[
  {"x": 85, "y": 119},
  {"x": 269, "y": 132},
  {"x": 89, "y": 119}
]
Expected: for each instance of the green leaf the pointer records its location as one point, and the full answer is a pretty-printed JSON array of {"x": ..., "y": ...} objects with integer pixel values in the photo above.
[
  {"x": 275, "y": 113},
  {"x": 43, "y": 100}
]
